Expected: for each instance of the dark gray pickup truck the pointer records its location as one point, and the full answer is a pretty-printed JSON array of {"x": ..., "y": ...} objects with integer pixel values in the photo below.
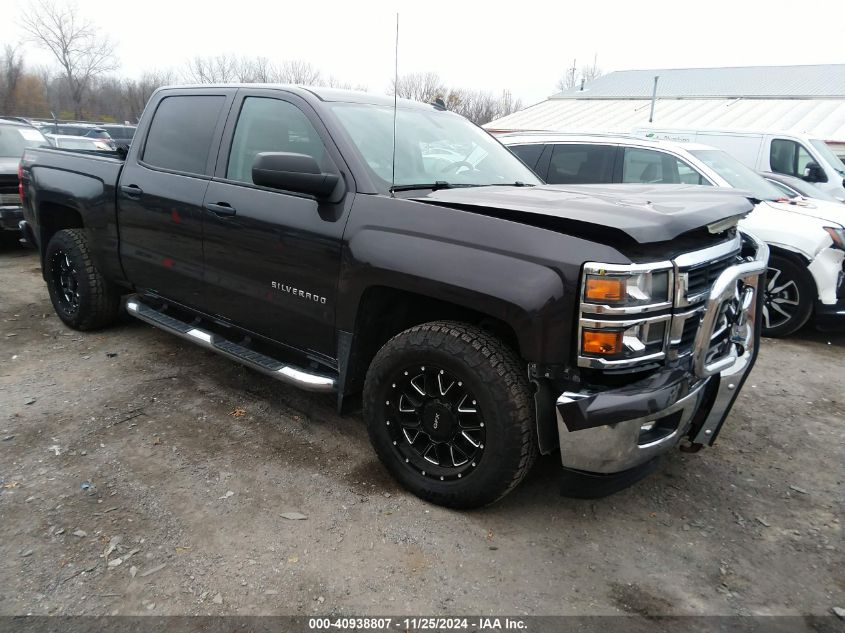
[{"x": 484, "y": 317}]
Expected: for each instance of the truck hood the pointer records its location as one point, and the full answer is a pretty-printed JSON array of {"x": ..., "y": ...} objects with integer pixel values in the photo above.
[
  {"x": 833, "y": 212},
  {"x": 642, "y": 213}
]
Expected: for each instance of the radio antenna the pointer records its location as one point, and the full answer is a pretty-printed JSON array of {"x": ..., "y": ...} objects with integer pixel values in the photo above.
[{"x": 395, "y": 99}]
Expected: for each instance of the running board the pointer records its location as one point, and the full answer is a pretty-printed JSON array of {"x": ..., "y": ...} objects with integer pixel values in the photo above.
[{"x": 255, "y": 360}]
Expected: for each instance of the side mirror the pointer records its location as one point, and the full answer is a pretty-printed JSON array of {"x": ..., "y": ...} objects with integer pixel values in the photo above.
[
  {"x": 292, "y": 172},
  {"x": 814, "y": 173}
]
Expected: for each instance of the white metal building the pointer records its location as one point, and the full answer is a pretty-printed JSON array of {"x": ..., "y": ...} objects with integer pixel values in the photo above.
[{"x": 797, "y": 99}]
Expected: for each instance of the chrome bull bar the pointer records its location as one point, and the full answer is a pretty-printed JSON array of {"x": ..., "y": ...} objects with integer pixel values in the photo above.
[{"x": 737, "y": 286}]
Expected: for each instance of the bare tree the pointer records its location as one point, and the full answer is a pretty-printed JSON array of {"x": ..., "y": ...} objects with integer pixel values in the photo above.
[
  {"x": 11, "y": 69},
  {"x": 576, "y": 78},
  {"x": 138, "y": 92},
  {"x": 217, "y": 69},
  {"x": 425, "y": 87},
  {"x": 481, "y": 107},
  {"x": 299, "y": 72},
  {"x": 82, "y": 52}
]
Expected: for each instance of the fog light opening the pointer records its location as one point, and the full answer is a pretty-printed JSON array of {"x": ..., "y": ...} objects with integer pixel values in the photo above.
[{"x": 657, "y": 430}]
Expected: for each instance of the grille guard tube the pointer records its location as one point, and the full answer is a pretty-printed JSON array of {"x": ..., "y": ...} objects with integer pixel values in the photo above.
[{"x": 724, "y": 290}]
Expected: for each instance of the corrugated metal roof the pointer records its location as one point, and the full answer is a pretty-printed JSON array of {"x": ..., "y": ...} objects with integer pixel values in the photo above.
[
  {"x": 823, "y": 80},
  {"x": 823, "y": 118}
]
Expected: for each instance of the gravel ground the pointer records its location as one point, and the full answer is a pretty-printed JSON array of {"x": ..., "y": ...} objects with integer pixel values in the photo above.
[{"x": 142, "y": 475}]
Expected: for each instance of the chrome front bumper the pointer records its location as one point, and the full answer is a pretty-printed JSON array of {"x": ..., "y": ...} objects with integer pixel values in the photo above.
[{"x": 612, "y": 431}]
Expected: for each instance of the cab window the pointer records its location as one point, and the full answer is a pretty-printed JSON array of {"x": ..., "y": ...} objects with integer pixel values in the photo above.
[
  {"x": 272, "y": 125},
  {"x": 181, "y": 133},
  {"x": 789, "y": 157}
]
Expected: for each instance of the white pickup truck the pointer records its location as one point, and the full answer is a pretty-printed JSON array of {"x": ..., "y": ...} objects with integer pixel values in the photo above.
[{"x": 806, "y": 237}]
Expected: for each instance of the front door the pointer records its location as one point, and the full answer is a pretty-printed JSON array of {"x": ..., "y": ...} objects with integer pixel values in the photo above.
[{"x": 272, "y": 257}]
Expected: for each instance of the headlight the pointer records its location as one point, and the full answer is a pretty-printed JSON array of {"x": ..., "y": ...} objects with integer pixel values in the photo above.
[
  {"x": 837, "y": 235},
  {"x": 611, "y": 296},
  {"x": 627, "y": 289}
]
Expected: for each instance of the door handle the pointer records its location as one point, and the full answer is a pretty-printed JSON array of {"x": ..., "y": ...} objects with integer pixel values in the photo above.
[
  {"x": 221, "y": 208},
  {"x": 131, "y": 191}
]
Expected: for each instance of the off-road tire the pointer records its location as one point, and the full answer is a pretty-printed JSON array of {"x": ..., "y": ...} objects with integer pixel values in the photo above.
[
  {"x": 97, "y": 299},
  {"x": 790, "y": 271},
  {"x": 498, "y": 381}
]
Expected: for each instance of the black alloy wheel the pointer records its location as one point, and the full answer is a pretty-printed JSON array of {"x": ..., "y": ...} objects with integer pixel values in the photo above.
[
  {"x": 437, "y": 426},
  {"x": 65, "y": 281},
  {"x": 450, "y": 413}
]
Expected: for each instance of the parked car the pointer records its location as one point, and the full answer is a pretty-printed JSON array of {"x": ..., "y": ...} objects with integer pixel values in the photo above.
[
  {"x": 120, "y": 134},
  {"x": 485, "y": 317},
  {"x": 86, "y": 130},
  {"x": 797, "y": 155},
  {"x": 15, "y": 137},
  {"x": 807, "y": 241},
  {"x": 66, "y": 141},
  {"x": 797, "y": 187}
]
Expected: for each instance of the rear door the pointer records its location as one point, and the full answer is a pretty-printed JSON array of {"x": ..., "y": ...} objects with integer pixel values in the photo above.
[
  {"x": 273, "y": 257},
  {"x": 161, "y": 194}
]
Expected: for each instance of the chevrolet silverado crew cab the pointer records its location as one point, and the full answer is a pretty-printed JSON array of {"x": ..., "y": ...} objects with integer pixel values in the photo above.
[{"x": 484, "y": 317}]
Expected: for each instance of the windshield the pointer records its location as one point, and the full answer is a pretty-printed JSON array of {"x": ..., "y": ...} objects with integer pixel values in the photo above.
[
  {"x": 15, "y": 139},
  {"x": 738, "y": 175},
  {"x": 827, "y": 153},
  {"x": 431, "y": 147}
]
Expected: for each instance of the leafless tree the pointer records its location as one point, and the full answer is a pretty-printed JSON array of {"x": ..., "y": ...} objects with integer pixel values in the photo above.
[
  {"x": 481, "y": 107},
  {"x": 82, "y": 52},
  {"x": 11, "y": 69},
  {"x": 137, "y": 92},
  {"x": 425, "y": 87},
  {"x": 298, "y": 71},
  {"x": 575, "y": 77},
  {"x": 217, "y": 69}
]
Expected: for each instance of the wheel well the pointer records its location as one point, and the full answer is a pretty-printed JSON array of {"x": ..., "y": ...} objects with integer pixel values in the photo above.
[
  {"x": 53, "y": 218},
  {"x": 385, "y": 312},
  {"x": 796, "y": 258}
]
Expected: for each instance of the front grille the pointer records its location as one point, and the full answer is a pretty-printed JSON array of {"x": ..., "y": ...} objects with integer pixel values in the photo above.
[
  {"x": 702, "y": 277},
  {"x": 688, "y": 334}
]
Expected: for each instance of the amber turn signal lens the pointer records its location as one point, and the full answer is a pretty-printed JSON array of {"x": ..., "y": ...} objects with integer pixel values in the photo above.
[
  {"x": 601, "y": 342},
  {"x": 605, "y": 289}
]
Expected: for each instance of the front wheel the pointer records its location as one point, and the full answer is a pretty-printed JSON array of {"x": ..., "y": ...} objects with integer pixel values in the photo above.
[
  {"x": 82, "y": 298},
  {"x": 450, "y": 414},
  {"x": 788, "y": 298}
]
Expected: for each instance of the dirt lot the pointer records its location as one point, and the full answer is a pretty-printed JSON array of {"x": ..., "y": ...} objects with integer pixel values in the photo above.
[{"x": 140, "y": 475}]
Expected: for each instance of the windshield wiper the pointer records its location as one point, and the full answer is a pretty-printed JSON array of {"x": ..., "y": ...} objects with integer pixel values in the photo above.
[{"x": 434, "y": 186}]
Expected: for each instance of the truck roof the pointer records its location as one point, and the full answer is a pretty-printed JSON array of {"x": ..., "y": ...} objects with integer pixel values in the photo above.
[{"x": 310, "y": 92}]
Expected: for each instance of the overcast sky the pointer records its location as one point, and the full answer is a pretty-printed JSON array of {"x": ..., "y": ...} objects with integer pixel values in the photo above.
[{"x": 523, "y": 46}]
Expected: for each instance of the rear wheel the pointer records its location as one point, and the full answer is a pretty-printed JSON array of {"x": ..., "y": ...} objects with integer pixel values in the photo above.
[
  {"x": 788, "y": 298},
  {"x": 81, "y": 296},
  {"x": 450, "y": 413}
]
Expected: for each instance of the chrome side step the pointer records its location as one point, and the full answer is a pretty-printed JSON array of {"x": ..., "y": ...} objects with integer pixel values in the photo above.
[{"x": 255, "y": 360}]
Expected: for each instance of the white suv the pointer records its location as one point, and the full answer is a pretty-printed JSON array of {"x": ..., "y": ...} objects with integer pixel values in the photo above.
[{"x": 806, "y": 237}]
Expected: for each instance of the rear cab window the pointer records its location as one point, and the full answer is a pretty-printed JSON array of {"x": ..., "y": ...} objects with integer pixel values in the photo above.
[{"x": 181, "y": 133}]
